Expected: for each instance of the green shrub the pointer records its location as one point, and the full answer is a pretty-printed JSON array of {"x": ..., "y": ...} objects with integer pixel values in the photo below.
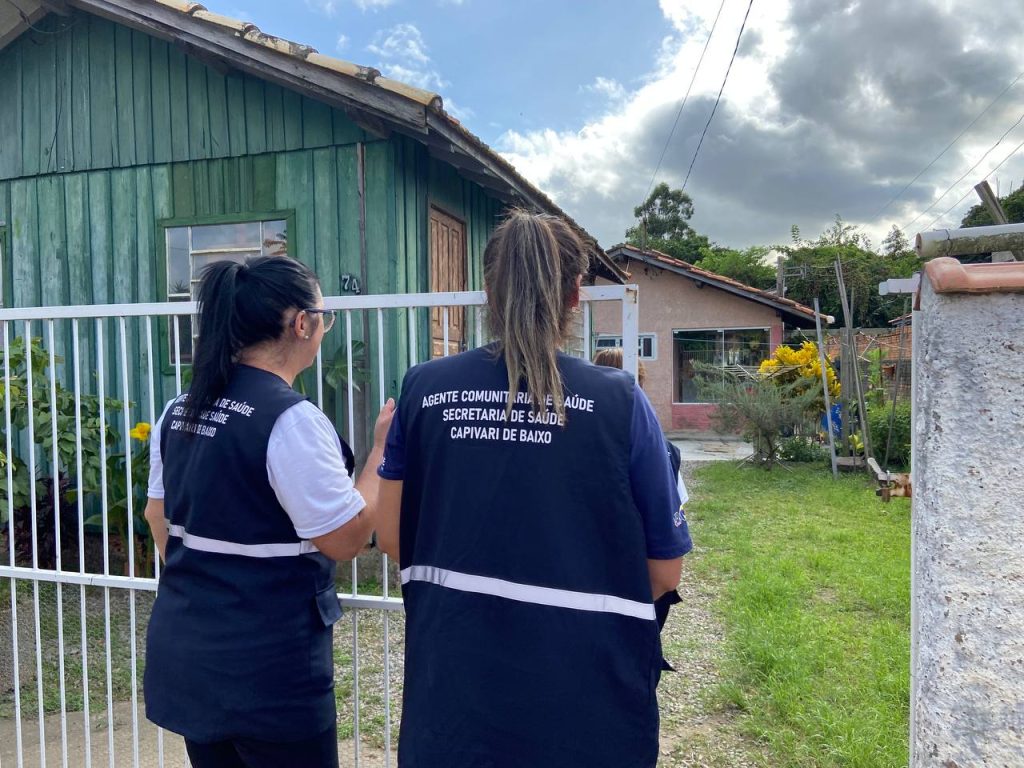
[
  {"x": 899, "y": 443},
  {"x": 802, "y": 449}
]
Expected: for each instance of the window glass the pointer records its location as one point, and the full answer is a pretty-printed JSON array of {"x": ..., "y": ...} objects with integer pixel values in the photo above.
[
  {"x": 745, "y": 347},
  {"x": 190, "y": 249},
  {"x": 219, "y": 236}
]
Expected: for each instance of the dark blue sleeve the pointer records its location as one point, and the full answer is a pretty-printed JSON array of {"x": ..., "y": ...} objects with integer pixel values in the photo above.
[
  {"x": 393, "y": 465},
  {"x": 655, "y": 491}
]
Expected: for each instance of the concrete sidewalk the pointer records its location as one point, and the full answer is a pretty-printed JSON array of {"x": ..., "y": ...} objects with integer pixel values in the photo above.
[{"x": 712, "y": 449}]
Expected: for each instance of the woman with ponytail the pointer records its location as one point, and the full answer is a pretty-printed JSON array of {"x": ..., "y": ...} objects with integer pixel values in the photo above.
[
  {"x": 531, "y": 553},
  {"x": 251, "y": 502}
]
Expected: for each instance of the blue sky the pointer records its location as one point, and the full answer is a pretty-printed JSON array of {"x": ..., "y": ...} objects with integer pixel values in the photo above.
[{"x": 831, "y": 106}]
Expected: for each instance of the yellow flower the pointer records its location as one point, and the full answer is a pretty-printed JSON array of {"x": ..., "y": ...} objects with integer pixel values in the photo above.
[{"x": 141, "y": 431}]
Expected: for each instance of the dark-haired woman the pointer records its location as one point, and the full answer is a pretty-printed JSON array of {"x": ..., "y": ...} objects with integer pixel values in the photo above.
[
  {"x": 531, "y": 553},
  {"x": 250, "y": 506}
]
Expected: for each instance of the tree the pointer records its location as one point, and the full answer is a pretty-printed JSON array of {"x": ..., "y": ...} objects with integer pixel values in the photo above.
[
  {"x": 1013, "y": 204},
  {"x": 863, "y": 270},
  {"x": 896, "y": 244},
  {"x": 749, "y": 266},
  {"x": 663, "y": 224}
]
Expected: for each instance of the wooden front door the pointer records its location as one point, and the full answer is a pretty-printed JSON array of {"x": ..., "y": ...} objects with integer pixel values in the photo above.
[{"x": 447, "y": 273}]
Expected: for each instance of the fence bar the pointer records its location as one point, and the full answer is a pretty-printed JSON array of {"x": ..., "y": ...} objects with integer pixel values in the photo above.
[
  {"x": 177, "y": 356},
  {"x": 15, "y": 657},
  {"x": 630, "y": 330},
  {"x": 444, "y": 324},
  {"x": 413, "y": 349},
  {"x": 77, "y": 349},
  {"x": 130, "y": 544},
  {"x": 55, "y": 468},
  {"x": 587, "y": 343},
  {"x": 151, "y": 379},
  {"x": 30, "y": 398},
  {"x": 101, "y": 375}
]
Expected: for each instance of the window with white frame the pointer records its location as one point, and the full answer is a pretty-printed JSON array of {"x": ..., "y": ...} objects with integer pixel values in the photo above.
[
  {"x": 724, "y": 348},
  {"x": 192, "y": 248},
  {"x": 647, "y": 345}
]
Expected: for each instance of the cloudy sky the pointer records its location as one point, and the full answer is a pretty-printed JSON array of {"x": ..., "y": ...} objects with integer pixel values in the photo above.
[{"x": 831, "y": 107}]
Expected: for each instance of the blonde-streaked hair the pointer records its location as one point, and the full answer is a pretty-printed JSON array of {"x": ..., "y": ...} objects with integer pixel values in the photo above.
[
  {"x": 612, "y": 358},
  {"x": 531, "y": 266}
]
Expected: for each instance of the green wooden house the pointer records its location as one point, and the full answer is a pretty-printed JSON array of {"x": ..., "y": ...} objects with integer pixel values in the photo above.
[{"x": 142, "y": 139}]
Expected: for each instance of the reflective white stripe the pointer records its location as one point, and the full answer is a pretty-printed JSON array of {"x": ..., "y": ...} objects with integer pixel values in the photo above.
[
  {"x": 528, "y": 593},
  {"x": 204, "y": 544}
]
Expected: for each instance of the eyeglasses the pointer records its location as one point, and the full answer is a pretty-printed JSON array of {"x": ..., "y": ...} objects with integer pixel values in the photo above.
[{"x": 329, "y": 316}]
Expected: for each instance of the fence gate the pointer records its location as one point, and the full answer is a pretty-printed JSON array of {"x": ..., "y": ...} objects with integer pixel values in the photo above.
[{"x": 78, "y": 570}]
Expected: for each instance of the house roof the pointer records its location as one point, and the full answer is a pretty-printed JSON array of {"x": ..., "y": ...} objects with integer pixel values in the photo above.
[
  {"x": 378, "y": 104},
  {"x": 801, "y": 313}
]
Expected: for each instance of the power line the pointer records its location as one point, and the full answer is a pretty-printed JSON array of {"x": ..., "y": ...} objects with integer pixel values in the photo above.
[
  {"x": 964, "y": 176},
  {"x": 683, "y": 102},
  {"x": 949, "y": 146},
  {"x": 725, "y": 79},
  {"x": 965, "y": 194}
]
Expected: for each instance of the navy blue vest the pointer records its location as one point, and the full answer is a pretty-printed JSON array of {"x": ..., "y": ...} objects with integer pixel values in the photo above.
[
  {"x": 239, "y": 642},
  {"x": 530, "y": 631}
]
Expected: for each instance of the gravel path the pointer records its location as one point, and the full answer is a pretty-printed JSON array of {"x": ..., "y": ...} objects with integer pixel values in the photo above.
[{"x": 694, "y": 732}]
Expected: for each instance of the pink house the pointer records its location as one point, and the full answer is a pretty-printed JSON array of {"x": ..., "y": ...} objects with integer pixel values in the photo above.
[{"x": 688, "y": 314}]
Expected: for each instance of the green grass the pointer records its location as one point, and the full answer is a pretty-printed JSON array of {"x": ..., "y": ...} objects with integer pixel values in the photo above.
[{"x": 815, "y": 595}]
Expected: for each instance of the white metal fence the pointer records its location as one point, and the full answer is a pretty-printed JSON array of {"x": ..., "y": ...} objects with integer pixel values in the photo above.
[{"x": 81, "y": 570}]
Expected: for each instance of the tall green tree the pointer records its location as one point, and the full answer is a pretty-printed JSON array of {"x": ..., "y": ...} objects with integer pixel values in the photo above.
[
  {"x": 663, "y": 224},
  {"x": 1013, "y": 204},
  {"x": 753, "y": 266},
  {"x": 863, "y": 269}
]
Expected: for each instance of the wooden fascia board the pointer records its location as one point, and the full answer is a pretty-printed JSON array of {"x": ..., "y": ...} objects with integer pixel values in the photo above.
[
  {"x": 289, "y": 71},
  {"x": 21, "y": 27}
]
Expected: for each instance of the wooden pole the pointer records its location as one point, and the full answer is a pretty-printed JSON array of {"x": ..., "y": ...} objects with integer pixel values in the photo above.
[
  {"x": 824, "y": 386},
  {"x": 995, "y": 209}
]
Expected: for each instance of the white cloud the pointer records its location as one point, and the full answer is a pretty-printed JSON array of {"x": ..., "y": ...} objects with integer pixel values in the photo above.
[
  {"x": 373, "y": 5},
  {"x": 404, "y": 56},
  {"x": 830, "y": 107},
  {"x": 327, "y": 7},
  {"x": 608, "y": 87},
  {"x": 342, "y": 43}
]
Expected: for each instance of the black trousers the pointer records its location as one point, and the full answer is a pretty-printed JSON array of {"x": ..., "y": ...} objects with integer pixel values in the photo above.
[{"x": 318, "y": 752}]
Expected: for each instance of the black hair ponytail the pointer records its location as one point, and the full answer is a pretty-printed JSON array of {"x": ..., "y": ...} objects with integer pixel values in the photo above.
[{"x": 241, "y": 305}]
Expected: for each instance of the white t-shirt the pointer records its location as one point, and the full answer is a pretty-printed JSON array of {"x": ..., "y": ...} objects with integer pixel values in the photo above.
[{"x": 305, "y": 468}]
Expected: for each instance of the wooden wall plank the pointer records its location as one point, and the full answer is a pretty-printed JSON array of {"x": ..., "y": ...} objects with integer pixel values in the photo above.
[
  {"x": 10, "y": 115},
  {"x": 198, "y": 110},
  {"x": 124, "y": 210},
  {"x": 274, "y": 106},
  {"x": 317, "y": 127},
  {"x": 142, "y": 97},
  {"x": 264, "y": 187},
  {"x": 217, "y": 107},
  {"x": 160, "y": 93},
  {"x": 327, "y": 255},
  {"x": 182, "y": 190},
  {"x": 291, "y": 105},
  {"x": 102, "y": 101},
  {"x": 255, "y": 116},
  {"x": 46, "y": 70},
  {"x": 76, "y": 207},
  {"x": 32, "y": 65},
  {"x": 345, "y": 131},
  {"x": 100, "y": 235},
  {"x": 66, "y": 64},
  {"x": 177, "y": 69},
  {"x": 23, "y": 235},
  {"x": 52, "y": 253},
  {"x": 124, "y": 83},
  {"x": 81, "y": 101},
  {"x": 236, "y": 114}
]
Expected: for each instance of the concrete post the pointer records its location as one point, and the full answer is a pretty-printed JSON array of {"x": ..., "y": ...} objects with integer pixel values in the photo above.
[{"x": 967, "y": 656}]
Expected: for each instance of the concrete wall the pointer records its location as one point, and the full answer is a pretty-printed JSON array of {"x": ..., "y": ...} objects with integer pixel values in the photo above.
[
  {"x": 967, "y": 694},
  {"x": 673, "y": 302}
]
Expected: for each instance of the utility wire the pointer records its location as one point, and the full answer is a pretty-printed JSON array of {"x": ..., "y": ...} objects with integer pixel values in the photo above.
[
  {"x": 683, "y": 102},
  {"x": 965, "y": 194},
  {"x": 964, "y": 176},
  {"x": 949, "y": 146},
  {"x": 725, "y": 79}
]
